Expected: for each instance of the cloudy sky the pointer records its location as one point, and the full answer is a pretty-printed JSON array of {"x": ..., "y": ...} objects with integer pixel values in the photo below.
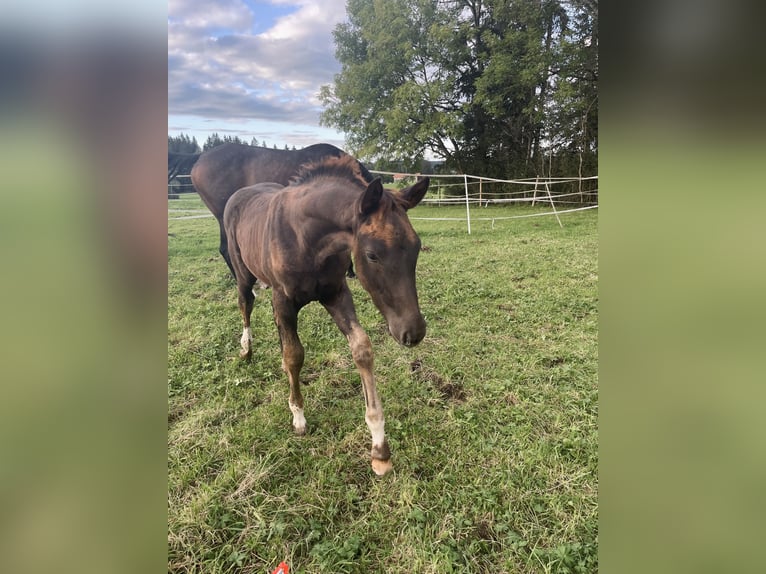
[{"x": 251, "y": 68}]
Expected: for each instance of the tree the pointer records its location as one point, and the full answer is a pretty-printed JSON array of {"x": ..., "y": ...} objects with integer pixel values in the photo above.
[
  {"x": 212, "y": 141},
  {"x": 573, "y": 115},
  {"x": 491, "y": 86},
  {"x": 396, "y": 96},
  {"x": 519, "y": 39},
  {"x": 183, "y": 144}
]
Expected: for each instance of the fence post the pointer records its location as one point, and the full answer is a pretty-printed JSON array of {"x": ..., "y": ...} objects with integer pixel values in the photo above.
[
  {"x": 550, "y": 197},
  {"x": 534, "y": 197},
  {"x": 467, "y": 209}
]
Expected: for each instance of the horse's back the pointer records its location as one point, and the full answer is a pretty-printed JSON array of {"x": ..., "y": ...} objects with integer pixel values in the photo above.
[
  {"x": 316, "y": 152},
  {"x": 219, "y": 172},
  {"x": 246, "y": 223},
  {"x": 224, "y": 169},
  {"x": 252, "y": 199}
]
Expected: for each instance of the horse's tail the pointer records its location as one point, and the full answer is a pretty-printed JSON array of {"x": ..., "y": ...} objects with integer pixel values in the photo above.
[{"x": 180, "y": 164}]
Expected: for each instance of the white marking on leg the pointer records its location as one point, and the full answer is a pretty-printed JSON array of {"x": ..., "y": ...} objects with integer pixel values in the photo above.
[
  {"x": 376, "y": 426},
  {"x": 247, "y": 337},
  {"x": 299, "y": 421}
]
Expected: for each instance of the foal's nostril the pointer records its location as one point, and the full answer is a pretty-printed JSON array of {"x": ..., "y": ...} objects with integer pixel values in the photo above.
[
  {"x": 411, "y": 339},
  {"x": 410, "y": 334}
]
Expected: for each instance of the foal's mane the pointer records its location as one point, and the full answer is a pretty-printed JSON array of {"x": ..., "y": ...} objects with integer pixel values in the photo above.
[{"x": 344, "y": 167}]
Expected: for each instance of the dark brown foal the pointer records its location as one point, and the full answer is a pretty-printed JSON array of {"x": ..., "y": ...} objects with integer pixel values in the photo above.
[{"x": 299, "y": 239}]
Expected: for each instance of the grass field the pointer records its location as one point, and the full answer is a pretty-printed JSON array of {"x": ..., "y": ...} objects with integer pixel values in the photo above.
[{"x": 492, "y": 419}]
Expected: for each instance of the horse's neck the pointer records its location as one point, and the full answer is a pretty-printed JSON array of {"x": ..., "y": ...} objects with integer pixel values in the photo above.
[
  {"x": 322, "y": 220},
  {"x": 333, "y": 206}
]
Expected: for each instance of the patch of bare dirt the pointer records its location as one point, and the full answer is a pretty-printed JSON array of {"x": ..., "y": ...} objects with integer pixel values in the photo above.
[{"x": 449, "y": 390}]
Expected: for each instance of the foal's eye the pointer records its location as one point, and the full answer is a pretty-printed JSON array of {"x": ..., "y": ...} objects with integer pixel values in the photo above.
[{"x": 372, "y": 257}]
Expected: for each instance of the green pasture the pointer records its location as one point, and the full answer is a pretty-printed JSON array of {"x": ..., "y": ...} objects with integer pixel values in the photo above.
[{"x": 491, "y": 420}]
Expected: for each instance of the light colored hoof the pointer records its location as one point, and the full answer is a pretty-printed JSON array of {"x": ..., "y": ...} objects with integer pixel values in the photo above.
[
  {"x": 246, "y": 355},
  {"x": 300, "y": 431},
  {"x": 381, "y": 467}
]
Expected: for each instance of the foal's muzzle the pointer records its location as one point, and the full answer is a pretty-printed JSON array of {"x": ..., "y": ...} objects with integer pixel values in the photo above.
[{"x": 411, "y": 334}]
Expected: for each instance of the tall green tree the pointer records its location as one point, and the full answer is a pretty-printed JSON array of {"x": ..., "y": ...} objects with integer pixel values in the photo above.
[
  {"x": 395, "y": 95},
  {"x": 572, "y": 121},
  {"x": 511, "y": 92},
  {"x": 491, "y": 86}
]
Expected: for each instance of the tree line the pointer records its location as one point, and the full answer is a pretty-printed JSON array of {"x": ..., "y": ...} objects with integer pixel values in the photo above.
[
  {"x": 502, "y": 88},
  {"x": 184, "y": 144}
]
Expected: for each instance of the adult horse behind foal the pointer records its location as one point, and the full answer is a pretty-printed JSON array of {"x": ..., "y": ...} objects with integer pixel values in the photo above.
[
  {"x": 224, "y": 169},
  {"x": 299, "y": 240}
]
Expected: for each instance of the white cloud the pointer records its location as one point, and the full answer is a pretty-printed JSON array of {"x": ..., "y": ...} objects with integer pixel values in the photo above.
[
  {"x": 219, "y": 68},
  {"x": 205, "y": 15},
  {"x": 311, "y": 20}
]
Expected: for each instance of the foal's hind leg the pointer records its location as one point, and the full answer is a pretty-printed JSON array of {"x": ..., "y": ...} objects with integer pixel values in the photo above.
[
  {"x": 286, "y": 318},
  {"x": 246, "y": 299},
  {"x": 245, "y": 296},
  {"x": 343, "y": 313}
]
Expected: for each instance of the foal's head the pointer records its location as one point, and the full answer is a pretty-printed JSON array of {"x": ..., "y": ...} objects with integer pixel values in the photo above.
[{"x": 386, "y": 252}]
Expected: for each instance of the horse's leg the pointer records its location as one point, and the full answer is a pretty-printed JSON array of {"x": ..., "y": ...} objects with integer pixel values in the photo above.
[
  {"x": 343, "y": 313},
  {"x": 223, "y": 249},
  {"x": 286, "y": 318},
  {"x": 245, "y": 298}
]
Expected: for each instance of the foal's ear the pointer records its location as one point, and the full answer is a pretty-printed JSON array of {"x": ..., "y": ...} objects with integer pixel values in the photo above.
[
  {"x": 413, "y": 194},
  {"x": 370, "y": 200}
]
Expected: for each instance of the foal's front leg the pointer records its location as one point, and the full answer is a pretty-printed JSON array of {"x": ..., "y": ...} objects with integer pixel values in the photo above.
[
  {"x": 286, "y": 318},
  {"x": 343, "y": 313}
]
